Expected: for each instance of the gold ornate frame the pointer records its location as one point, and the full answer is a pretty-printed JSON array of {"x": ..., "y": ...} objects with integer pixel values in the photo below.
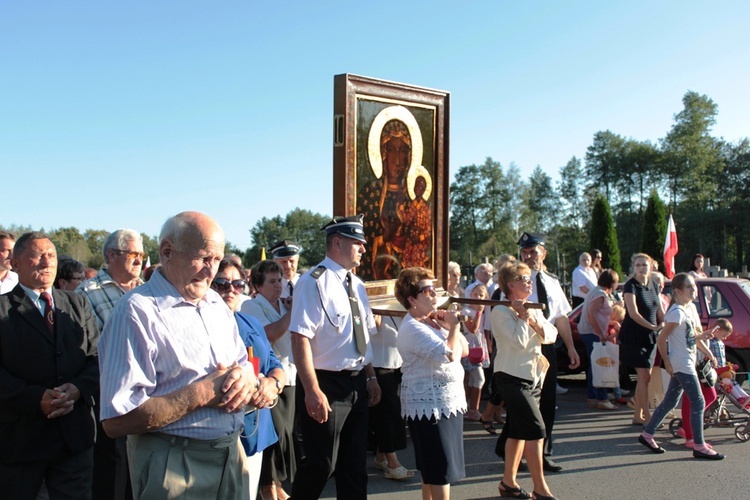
[{"x": 362, "y": 107}]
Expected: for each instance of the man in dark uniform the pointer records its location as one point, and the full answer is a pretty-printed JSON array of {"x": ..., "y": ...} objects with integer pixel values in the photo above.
[
  {"x": 547, "y": 290},
  {"x": 331, "y": 324}
]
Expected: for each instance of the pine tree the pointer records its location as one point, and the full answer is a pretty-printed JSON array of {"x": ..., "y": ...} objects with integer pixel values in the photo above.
[
  {"x": 654, "y": 228},
  {"x": 603, "y": 235}
]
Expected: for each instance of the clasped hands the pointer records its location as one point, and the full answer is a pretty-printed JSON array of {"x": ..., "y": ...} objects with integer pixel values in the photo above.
[
  {"x": 229, "y": 387},
  {"x": 60, "y": 400}
]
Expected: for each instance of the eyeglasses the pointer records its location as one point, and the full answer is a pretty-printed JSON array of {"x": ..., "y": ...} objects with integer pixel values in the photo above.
[
  {"x": 132, "y": 255},
  {"x": 524, "y": 278},
  {"x": 428, "y": 290},
  {"x": 223, "y": 285}
]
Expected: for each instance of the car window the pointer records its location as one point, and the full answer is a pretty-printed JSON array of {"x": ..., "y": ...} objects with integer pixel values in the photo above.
[{"x": 715, "y": 303}]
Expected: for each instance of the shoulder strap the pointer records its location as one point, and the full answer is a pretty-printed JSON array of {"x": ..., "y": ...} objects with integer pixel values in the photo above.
[{"x": 318, "y": 272}]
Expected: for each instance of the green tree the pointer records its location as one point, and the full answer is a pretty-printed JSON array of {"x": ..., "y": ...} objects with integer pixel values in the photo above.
[
  {"x": 603, "y": 161},
  {"x": 69, "y": 241},
  {"x": 467, "y": 210},
  {"x": 95, "y": 241},
  {"x": 302, "y": 226},
  {"x": 692, "y": 157},
  {"x": 542, "y": 201},
  {"x": 573, "y": 194},
  {"x": 654, "y": 228},
  {"x": 603, "y": 235}
]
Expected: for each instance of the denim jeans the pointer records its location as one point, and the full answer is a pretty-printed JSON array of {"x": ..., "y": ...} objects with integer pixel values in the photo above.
[
  {"x": 592, "y": 392},
  {"x": 692, "y": 387}
]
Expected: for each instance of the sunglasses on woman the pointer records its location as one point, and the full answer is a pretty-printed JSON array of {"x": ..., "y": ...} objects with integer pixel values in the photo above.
[
  {"x": 223, "y": 285},
  {"x": 428, "y": 290}
]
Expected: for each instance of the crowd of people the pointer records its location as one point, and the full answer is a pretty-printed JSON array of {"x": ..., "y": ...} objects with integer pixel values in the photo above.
[{"x": 199, "y": 378}]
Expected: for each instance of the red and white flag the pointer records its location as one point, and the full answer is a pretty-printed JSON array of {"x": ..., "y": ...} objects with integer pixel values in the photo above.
[{"x": 670, "y": 248}]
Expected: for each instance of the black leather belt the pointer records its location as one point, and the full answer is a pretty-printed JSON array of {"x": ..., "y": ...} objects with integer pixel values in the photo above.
[{"x": 342, "y": 373}]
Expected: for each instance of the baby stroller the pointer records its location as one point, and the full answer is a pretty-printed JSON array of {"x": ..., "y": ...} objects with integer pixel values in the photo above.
[{"x": 718, "y": 414}]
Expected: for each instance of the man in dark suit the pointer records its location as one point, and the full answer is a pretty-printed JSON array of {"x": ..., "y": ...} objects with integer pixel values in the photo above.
[{"x": 49, "y": 379}]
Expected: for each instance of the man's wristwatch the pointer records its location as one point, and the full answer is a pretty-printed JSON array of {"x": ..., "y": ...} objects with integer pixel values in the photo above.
[{"x": 279, "y": 387}]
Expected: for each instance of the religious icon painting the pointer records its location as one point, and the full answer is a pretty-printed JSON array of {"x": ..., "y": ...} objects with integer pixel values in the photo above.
[{"x": 391, "y": 164}]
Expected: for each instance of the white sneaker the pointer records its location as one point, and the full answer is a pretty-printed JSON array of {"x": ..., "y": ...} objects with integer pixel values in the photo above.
[{"x": 561, "y": 390}]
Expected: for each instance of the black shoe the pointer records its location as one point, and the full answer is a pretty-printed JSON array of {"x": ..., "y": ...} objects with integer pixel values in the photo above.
[
  {"x": 507, "y": 491},
  {"x": 538, "y": 496},
  {"x": 655, "y": 449},
  {"x": 550, "y": 466},
  {"x": 714, "y": 456}
]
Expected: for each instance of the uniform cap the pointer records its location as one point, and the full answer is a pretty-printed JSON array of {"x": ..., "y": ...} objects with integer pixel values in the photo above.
[
  {"x": 530, "y": 240},
  {"x": 351, "y": 227},
  {"x": 285, "y": 248}
]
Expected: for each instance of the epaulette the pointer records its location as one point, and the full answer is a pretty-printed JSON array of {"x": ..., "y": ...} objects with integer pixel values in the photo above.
[
  {"x": 553, "y": 276},
  {"x": 317, "y": 272}
]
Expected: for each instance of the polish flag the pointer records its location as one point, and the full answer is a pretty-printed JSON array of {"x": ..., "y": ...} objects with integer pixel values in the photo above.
[{"x": 670, "y": 248}]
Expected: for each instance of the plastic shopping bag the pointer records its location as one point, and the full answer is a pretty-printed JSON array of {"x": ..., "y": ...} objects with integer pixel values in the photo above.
[{"x": 605, "y": 364}]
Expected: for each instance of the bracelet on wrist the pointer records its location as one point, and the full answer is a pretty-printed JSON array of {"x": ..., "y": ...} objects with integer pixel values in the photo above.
[{"x": 372, "y": 378}]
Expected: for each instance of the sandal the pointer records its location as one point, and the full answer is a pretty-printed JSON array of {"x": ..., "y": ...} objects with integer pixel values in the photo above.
[
  {"x": 507, "y": 491},
  {"x": 538, "y": 496},
  {"x": 381, "y": 465},
  {"x": 487, "y": 424},
  {"x": 398, "y": 473}
]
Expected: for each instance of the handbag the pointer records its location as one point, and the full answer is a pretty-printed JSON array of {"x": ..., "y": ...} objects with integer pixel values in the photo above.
[
  {"x": 605, "y": 365},
  {"x": 706, "y": 373},
  {"x": 476, "y": 355}
]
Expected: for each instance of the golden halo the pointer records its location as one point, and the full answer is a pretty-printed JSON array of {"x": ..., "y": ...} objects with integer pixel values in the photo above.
[
  {"x": 373, "y": 140},
  {"x": 411, "y": 179}
]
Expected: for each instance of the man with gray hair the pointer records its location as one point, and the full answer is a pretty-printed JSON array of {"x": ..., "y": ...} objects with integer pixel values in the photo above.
[
  {"x": 175, "y": 376},
  {"x": 483, "y": 276},
  {"x": 123, "y": 260}
]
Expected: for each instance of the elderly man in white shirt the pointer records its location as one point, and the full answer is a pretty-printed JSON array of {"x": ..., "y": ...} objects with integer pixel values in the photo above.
[
  {"x": 175, "y": 374},
  {"x": 584, "y": 279}
]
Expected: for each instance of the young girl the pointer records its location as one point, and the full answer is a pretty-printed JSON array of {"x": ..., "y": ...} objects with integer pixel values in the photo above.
[
  {"x": 681, "y": 328},
  {"x": 475, "y": 337}
]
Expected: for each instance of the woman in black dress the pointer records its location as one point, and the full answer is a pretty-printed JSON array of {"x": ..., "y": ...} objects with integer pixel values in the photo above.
[{"x": 644, "y": 317}]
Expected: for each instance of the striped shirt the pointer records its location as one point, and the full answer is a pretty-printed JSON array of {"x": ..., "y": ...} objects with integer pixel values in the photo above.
[
  {"x": 156, "y": 342},
  {"x": 103, "y": 293}
]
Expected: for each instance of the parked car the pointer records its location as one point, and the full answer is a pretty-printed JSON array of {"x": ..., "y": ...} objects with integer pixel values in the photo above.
[{"x": 717, "y": 298}]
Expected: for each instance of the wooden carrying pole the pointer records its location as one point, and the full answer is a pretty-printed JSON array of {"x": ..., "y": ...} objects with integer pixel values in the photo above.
[{"x": 390, "y": 307}]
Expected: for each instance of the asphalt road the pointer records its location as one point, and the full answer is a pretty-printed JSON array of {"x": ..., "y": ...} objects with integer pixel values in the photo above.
[{"x": 602, "y": 459}]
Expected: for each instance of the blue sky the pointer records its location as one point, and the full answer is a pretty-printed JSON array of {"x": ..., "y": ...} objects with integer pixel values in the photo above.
[{"x": 120, "y": 114}]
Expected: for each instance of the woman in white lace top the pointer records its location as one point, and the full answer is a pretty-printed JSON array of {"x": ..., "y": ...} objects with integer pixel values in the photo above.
[{"x": 432, "y": 394}]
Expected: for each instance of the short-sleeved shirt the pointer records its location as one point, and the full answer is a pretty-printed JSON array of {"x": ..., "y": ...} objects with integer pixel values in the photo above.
[
  {"x": 557, "y": 302},
  {"x": 321, "y": 311},
  {"x": 602, "y": 316},
  {"x": 647, "y": 302},
  {"x": 682, "y": 340},
  {"x": 156, "y": 342},
  {"x": 103, "y": 293}
]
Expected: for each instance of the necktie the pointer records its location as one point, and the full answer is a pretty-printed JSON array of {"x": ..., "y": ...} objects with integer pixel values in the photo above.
[
  {"x": 291, "y": 288},
  {"x": 49, "y": 312},
  {"x": 541, "y": 294},
  {"x": 359, "y": 332}
]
